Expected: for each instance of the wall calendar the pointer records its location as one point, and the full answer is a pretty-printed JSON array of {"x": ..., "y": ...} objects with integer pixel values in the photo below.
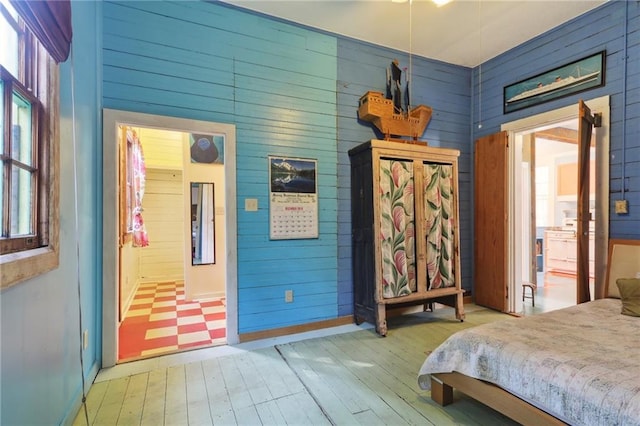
[{"x": 293, "y": 198}]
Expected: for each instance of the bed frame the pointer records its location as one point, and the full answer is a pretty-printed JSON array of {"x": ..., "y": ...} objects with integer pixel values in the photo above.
[
  {"x": 623, "y": 258},
  {"x": 442, "y": 385}
]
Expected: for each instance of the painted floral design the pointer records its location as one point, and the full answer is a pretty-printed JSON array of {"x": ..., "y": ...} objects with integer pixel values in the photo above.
[
  {"x": 397, "y": 229},
  {"x": 439, "y": 216}
]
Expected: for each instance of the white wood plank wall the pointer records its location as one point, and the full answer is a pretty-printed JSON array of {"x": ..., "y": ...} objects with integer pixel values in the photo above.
[{"x": 163, "y": 202}]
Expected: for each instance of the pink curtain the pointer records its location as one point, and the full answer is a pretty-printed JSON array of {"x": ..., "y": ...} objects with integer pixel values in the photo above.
[
  {"x": 140, "y": 237},
  {"x": 50, "y": 22}
]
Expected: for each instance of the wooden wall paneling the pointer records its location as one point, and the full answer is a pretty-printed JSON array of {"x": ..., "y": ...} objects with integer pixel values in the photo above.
[
  {"x": 297, "y": 125},
  {"x": 446, "y": 89},
  {"x": 194, "y": 78},
  {"x": 276, "y": 83},
  {"x": 162, "y": 259},
  {"x": 599, "y": 29},
  {"x": 162, "y": 148},
  {"x": 238, "y": 37}
]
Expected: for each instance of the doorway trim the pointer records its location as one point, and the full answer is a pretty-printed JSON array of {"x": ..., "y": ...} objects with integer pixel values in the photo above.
[
  {"x": 597, "y": 105},
  {"x": 111, "y": 120}
]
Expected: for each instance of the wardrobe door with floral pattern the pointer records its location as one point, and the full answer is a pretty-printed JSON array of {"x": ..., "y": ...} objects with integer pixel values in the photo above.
[
  {"x": 397, "y": 228},
  {"x": 440, "y": 224}
]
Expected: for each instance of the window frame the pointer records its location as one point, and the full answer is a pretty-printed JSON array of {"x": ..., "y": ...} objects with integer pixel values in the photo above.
[
  {"x": 127, "y": 193},
  {"x": 37, "y": 237},
  {"x": 39, "y": 73}
]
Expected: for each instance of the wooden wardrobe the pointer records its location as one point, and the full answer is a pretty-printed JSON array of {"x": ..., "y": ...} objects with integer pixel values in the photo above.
[{"x": 405, "y": 229}]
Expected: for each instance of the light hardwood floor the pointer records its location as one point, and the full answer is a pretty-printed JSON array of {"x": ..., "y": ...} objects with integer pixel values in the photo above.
[{"x": 340, "y": 379}]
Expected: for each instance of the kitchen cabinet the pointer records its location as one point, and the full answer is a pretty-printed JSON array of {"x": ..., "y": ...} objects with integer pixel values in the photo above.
[
  {"x": 567, "y": 180},
  {"x": 560, "y": 248}
]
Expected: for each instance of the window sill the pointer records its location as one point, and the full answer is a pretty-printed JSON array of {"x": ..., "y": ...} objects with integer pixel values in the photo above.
[{"x": 20, "y": 266}]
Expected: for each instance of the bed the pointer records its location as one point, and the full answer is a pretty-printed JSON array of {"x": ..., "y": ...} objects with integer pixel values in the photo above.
[{"x": 579, "y": 365}]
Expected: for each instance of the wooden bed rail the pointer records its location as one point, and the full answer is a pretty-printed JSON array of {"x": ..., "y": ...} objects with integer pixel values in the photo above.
[{"x": 442, "y": 385}]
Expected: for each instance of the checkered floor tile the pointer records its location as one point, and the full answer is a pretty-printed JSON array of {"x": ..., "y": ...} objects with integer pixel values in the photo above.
[{"x": 161, "y": 321}]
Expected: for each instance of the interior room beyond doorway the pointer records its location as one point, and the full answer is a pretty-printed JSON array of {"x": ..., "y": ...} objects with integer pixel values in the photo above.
[
  {"x": 164, "y": 305},
  {"x": 552, "y": 204},
  {"x": 188, "y": 196},
  {"x": 544, "y": 190}
]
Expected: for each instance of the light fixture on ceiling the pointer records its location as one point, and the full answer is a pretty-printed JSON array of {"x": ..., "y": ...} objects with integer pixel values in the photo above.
[{"x": 436, "y": 2}]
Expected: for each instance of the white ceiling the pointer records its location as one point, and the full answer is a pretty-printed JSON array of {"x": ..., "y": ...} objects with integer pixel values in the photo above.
[{"x": 463, "y": 32}]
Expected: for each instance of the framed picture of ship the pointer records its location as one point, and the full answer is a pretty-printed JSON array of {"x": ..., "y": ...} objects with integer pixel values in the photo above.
[{"x": 577, "y": 76}]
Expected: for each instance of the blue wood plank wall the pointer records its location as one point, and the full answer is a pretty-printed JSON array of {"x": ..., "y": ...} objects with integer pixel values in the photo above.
[
  {"x": 445, "y": 88},
  {"x": 279, "y": 84},
  {"x": 610, "y": 27},
  {"x": 294, "y": 92},
  {"x": 276, "y": 83},
  {"x": 290, "y": 91},
  {"x": 40, "y": 330}
]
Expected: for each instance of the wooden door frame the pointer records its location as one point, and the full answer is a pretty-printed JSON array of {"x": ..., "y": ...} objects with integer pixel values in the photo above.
[
  {"x": 110, "y": 249},
  {"x": 586, "y": 123},
  {"x": 599, "y": 105}
]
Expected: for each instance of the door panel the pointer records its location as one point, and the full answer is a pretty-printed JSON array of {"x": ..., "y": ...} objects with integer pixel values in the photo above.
[
  {"x": 490, "y": 215},
  {"x": 585, "y": 129}
]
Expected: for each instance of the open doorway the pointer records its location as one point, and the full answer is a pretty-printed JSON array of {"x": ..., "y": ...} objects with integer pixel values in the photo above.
[
  {"x": 549, "y": 205},
  {"x": 167, "y": 229},
  {"x": 543, "y": 180},
  {"x": 169, "y": 236}
]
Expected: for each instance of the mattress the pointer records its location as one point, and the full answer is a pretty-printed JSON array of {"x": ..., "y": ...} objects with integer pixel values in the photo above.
[{"x": 580, "y": 364}]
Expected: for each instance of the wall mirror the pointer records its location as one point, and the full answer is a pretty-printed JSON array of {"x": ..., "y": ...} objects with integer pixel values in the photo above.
[{"x": 202, "y": 224}]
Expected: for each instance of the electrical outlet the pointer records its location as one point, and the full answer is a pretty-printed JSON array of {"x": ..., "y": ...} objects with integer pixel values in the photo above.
[
  {"x": 622, "y": 207},
  {"x": 288, "y": 296},
  {"x": 85, "y": 340}
]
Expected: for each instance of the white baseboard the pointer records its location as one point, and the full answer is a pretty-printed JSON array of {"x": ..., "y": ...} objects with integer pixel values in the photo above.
[{"x": 209, "y": 295}]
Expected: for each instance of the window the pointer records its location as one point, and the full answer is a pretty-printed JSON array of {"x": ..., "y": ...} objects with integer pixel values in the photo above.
[
  {"x": 132, "y": 179},
  {"x": 28, "y": 151},
  {"x": 542, "y": 196},
  {"x": 21, "y": 170},
  {"x": 127, "y": 194}
]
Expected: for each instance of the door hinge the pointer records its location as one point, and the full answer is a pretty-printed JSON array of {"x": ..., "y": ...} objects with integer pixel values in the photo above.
[{"x": 597, "y": 119}]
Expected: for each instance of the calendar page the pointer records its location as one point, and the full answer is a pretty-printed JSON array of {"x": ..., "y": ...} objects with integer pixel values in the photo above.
[{"x": 293, "y": 198}]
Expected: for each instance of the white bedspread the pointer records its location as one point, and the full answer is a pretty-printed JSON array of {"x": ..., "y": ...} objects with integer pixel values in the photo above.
[{"x": 580, "y": 364}]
